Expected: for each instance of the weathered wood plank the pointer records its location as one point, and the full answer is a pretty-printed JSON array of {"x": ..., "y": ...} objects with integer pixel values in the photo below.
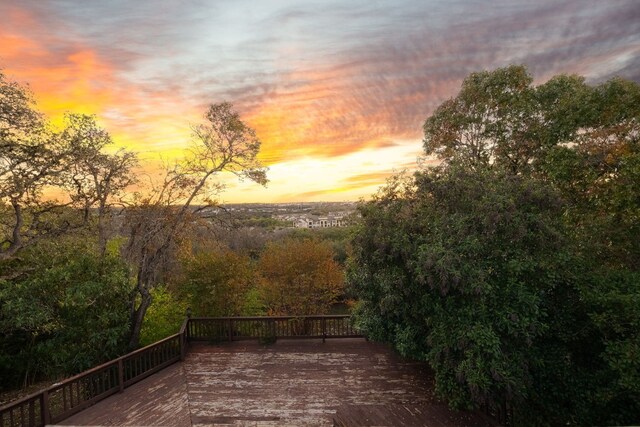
[
  {"x": 159, "y": 400},
  {"x": 393, "y": 415},
  {"x": 297, "y": 383},
  {"x": 304, "y": 382}
]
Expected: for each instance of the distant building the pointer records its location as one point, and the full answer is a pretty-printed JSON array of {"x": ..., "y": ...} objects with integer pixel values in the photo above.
[{"x": 318, "y": 221}]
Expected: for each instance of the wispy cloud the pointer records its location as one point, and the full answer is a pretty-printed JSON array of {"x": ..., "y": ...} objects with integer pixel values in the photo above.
[{"x": 320, "y": 80}]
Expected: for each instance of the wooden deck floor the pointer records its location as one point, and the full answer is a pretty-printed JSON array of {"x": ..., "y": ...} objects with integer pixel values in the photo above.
[{"x": 294, "y": 382}]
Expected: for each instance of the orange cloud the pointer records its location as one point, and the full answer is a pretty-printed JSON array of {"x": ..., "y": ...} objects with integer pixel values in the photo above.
[
  {"x": 14, "y": 45},
  {"x": 68, "y": 76},
  {"x": 327, "y": 101},
  {"x": 369, "y": 178},
  {"x": 338, "y": 109}
]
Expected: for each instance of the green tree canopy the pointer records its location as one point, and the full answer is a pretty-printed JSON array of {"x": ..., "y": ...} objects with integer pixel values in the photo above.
[
  {"x": 513, "y": 267},
  {"x": 499, "y": 117},
  {"x": 35, "y": 156},
  {"x": 67, "y": 311}
]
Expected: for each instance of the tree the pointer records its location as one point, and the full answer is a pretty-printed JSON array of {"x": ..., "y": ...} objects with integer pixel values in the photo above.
[
  {"x": 450, "y": 268},
  {"x": 92, "y": 177},
  {"x": 156, "y": 224},
  {"x": 299, "y": 277},
  {"x": 30, "y": 159},
  {"x": 216, "y": 282},
  {"x": 584, "y": 140},
  {"x": 499, "y": 117},
  {"x": 513, "y": 268},
  {"x": 33, "y": 157},
  {"x": 66, "y": 313},
  {"x": 599, "y": 172}
]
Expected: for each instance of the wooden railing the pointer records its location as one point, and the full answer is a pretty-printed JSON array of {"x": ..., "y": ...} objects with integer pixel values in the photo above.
[
  {"x": 241, "y": 328},
  {"x": 63, "y": 399}
]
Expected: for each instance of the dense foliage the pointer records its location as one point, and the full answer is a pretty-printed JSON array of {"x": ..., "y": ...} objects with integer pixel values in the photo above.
[
  {"x": 164, "y": 317},
  {"x": 63, "y": 310},
  {"x": 291, "y": 276},
  {"x": 338, "y": 237},
  {"x": 299, "y": 277},
  {"x": 216, "y": 283},
  {"x": 513, "y": 267}
]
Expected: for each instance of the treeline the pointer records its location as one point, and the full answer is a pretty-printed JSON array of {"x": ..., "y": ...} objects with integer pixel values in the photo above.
[
  {"x": 77, "y": 273},
  {"x": 513, "y": 268}
]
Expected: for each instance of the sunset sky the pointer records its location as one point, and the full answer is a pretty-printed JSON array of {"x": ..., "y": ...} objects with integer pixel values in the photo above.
[{"x": 336, "y": 90}]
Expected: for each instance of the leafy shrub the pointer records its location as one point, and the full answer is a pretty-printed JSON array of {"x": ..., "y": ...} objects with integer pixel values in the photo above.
[
  {"x": 64, "y": 311},
  {"x": 217, "y": 283},
  {"x": 164, "y": 316}
]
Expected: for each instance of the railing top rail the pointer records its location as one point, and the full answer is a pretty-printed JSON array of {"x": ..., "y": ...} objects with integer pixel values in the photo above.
[
  {"x": 143, "y": 349},
  {"x": 83, "y": 374},
  {"x": 110, "y": 363},
  {"x": 318, "y": 316},
  {"x": 20, "y": 401}
]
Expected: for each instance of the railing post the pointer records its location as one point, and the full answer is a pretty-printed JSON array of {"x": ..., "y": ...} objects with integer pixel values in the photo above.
[
  {"x": 186, "y": 324},
  {"x": 121, "y": 375},
  {"x": 32, "y": 414},
  {"x": 324, "y": 329},
  {"x": 44, "y": 408},
  {"x": 230, "y": 329},
  {"x": 183, "y": 345}
]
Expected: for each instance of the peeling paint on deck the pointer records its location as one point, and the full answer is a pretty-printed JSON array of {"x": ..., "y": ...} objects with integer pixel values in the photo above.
[
  {"x": 294, "y": 382},
  {"x": 160, "y": 400}
]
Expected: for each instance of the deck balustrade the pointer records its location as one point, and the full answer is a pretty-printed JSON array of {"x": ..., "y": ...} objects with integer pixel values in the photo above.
[{"x": 63, "y": 399}]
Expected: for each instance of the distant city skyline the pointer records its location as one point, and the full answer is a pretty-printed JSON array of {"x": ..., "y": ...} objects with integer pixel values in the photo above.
[{"x": 337, "y": 91}]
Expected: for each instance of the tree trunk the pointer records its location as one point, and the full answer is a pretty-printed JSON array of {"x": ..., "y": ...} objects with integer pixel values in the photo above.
[
  {"x": 137, "y": 315},
  {"x": 102, "y": 232}
]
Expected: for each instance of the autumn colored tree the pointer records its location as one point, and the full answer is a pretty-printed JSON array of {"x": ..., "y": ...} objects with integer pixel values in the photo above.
[
  {"x": 216, "y": 282},
  {"x": 299, "y": 277}
]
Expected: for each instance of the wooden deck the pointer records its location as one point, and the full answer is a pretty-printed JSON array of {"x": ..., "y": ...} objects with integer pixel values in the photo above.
[{"x": 295, "y": 383}]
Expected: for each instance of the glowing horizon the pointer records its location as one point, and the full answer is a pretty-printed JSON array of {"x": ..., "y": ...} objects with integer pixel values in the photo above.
[{"x": 337, "y": 92}]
